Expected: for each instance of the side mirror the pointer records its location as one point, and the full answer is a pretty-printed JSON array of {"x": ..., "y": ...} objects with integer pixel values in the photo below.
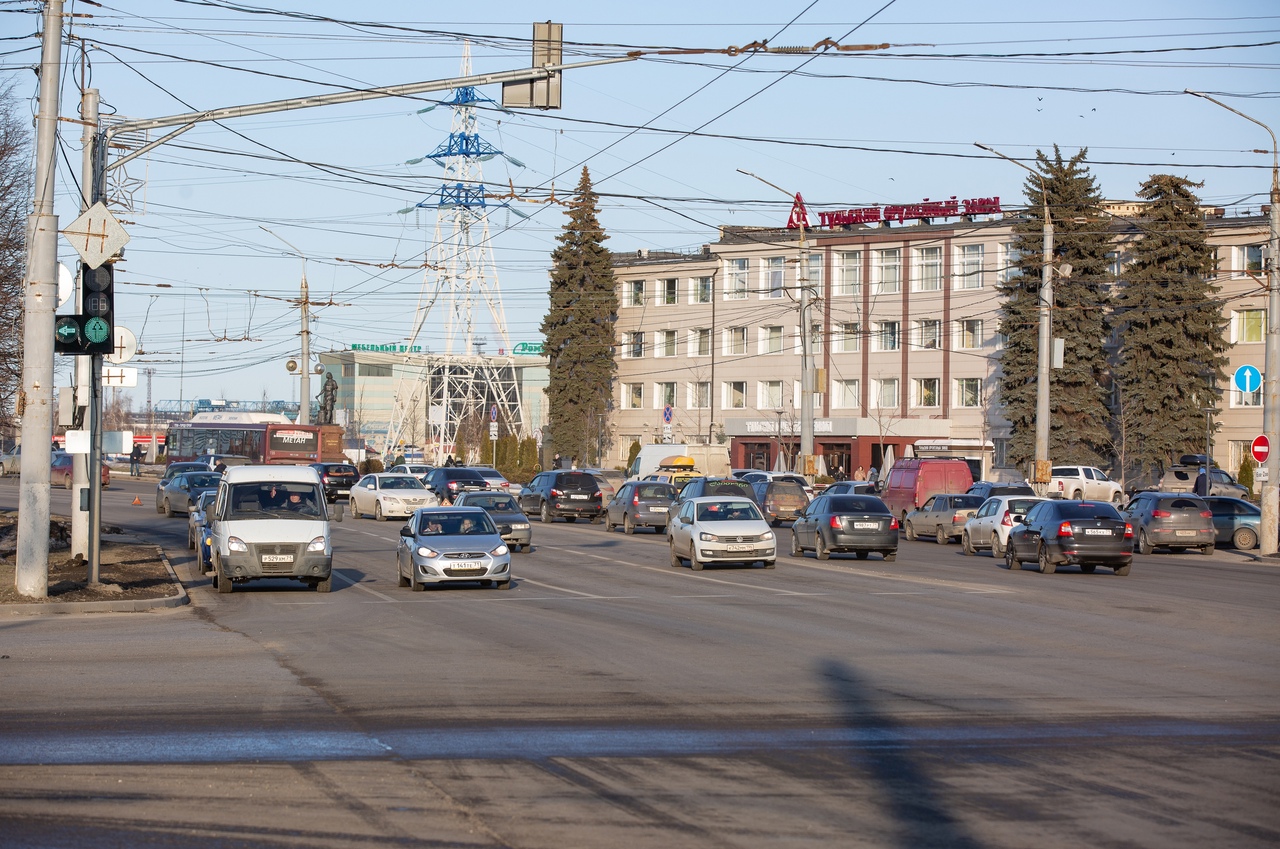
[
  {"x": 405, "y": 531},
  {"x": 1017, "y": 518}
]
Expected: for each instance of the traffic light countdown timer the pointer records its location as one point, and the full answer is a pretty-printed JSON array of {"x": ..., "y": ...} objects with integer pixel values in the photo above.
[{"x": 92, "y": 330}]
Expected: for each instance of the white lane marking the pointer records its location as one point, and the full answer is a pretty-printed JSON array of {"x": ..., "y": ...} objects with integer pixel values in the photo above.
[{"x": 560, "y": 589}]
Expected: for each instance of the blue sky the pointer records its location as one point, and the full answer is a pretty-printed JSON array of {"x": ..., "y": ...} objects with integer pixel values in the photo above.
[{"x": 207, "y": 289}]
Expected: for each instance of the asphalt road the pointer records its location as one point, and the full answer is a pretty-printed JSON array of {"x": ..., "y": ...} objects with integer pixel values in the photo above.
[{"x": 611, "y": 700}]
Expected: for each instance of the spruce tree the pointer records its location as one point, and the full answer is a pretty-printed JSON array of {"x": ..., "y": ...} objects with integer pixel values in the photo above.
[
  {"x": 1077, "y": 400},
  {"x": 1171, "y": 347},
  {"x": 578, "y": 330}
]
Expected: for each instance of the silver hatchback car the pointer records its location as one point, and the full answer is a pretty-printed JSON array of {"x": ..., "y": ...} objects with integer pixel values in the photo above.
[{"x": 450, "y": 545}]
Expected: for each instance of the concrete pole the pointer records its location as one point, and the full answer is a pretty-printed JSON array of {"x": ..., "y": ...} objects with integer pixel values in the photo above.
[
  {"x": 81, "y": 365},
  {"x": 35, "y": 403}
]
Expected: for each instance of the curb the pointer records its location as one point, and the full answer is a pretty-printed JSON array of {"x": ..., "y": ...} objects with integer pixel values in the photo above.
[{"x": 123, "y": 606}]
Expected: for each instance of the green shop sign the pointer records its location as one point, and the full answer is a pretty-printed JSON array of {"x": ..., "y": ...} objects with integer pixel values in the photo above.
[
  {"x": 388, "y": 349},
  {"x": 528, "y": 349}
]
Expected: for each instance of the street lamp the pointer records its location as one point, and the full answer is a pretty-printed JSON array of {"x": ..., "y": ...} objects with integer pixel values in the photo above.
[
  {"x": 304, "y": 384},
  {"x": 1270, "y": 525},
  {"x": 806, "y": 373},
  {"x": 778, "y": 413},
  {"x": 1042, "y": 469}
]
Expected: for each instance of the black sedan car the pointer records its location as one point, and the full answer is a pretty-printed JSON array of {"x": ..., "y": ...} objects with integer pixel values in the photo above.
[
  {"x": 858, "y": 523},
  {"x": 180, "y": 493},
  {"x": 337, "y": 479},
  {"x": 1084, "y": 533}
]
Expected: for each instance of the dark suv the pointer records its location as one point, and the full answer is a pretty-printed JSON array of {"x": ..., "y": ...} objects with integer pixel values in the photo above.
[
  {"x": 563, "y": 492},
  {"x": 337, "y": 479},
  {"x": 701, "y": 487},
  {"x": 448, "y": 481}
]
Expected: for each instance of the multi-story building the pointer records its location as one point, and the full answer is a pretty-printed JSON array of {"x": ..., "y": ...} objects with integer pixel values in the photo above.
[{"x": 904, "y": 334}]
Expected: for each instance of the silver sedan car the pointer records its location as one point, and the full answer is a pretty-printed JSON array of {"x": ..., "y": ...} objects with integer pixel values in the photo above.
[
  {"x": 720, "y": 530},
  {"x": 451, "y": 545},
  {"x": 386, "y": 495}
]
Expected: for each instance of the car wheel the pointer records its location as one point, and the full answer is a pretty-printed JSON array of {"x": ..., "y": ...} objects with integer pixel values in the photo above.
[
  {"x": 659, "y": 529},
  {"x": 967, "y": 544},
  {"x": 224, "y": 583},
  {"x": 628, "y": 526},
  {"x": 191, "y": 541},
  {"x": 820, "y": 549},
  {"x": 1123, "y": 570},
  {"x": 1144, "y": 543},
  {"x": 796, "y": 550},
  {"x": 1087, "y": 568},
  {"x": 377, "y": 512},
  {"x": 325, "y": 584},
  {"x": 503, "y": 585},
  {"x": 941, "y": 535},
  {"x": 1077, "y": 495},
  {"x": 1011, "y": 558},
  {"x": 694, "y": 563},
  {"x": 400, "y": 578},
  {"x": 769, "y": 564},
  {"x": 1116, "y": 498},
  {"x": 414, "y": 584},
  {"x": 910, "y": 531},
  {"x": 676, "y": 562},
  {"x": 1244, "y": 539},
  {"x": 997, "y": 550},
  {"x": 571, "y": 519},
  {"x": 544, "y": 513},
  {"x": 1207, "y": 550},
  {"x": 1046, "y": 565},
  {"x": 862, "y": 555},
  {"x": 66, "y": 481},
  {"x": 890, "y": 556},
  {"x": 168, "y": 509}
]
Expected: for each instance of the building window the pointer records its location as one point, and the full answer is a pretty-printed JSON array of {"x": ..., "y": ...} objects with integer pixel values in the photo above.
[
  {"x": 1251, "y": 257},
  {"x": 926, "y": 391},
  {"x": 846, "y": 392},
  {"x": 850, "y": 336},
  {"x": 700, "y": 342},
  {"x": 664, "y": 395},
  {"x": 770, "y": 395},
  {"x": 1009, "y": 268},
  {"x": 970, "y": 332},
  {"x": 666, "y": 344},
  {"x": 888, "y": 271},
  {"x": 929, "y": 334},
  {"x": 348, "y": 369},
  {"x": 700, "y": 395},
  {"x": 968, "y": 392},
  {"x": 736, "y": 273},
  {"x": 735, "y": 395},
  {"x": 815, "y": 272},
  {"x": 668, "y": 291},
  {"x": 735, "y": 340},
  {"x": 700, "y": 290},
  {"x": 815, "y": 339},
  {"x": 374, "y": 370},
  {"x": 969, "y": 272},
  {"x": 887, "y": 393},
  {"x": 796, "y": 392},
  {"x": 1250, "y": 325},
  {"x": 633, "y": 345},
  {"x": 887, "y": 336},
  {"x": 771, "y": 340},
  {"x": 928, "y": 276},
  {"x": 633, "y": 396},
  {"x": 849, "y": 273},
  {"x": 635, "y": 293},
  {"x": 1000, "y": 453},
  {"x": 775, "y": 268},
  {"x": 1246, "y": 399}
]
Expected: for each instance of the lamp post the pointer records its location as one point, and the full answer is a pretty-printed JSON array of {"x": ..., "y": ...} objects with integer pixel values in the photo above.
[
  {"x": 1042, "y": 469},
  {"x": 778, "y": 413},
  {"x": 1270, "y": 525},
  {"x": 806, "y": 371},
  {"x": 304, "y": 383}
]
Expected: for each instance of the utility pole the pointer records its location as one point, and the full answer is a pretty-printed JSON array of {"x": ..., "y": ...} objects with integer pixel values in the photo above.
[
  {"x": 806, "y": 372},
  {"x": 1269, "y": 536},
  {"x": 35, "y": 401},
  {"x": 304, "y": 382},
  {"x": 1043, "y": 469}
]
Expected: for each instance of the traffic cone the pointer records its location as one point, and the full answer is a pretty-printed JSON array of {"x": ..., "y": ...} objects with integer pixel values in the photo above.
[{"x": 137, "y": 502}]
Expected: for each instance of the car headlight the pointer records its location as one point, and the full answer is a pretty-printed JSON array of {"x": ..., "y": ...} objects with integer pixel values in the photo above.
[
  {"x": 767, "y": 535},
  {"x": 390, "y": 500},
  {"x": 423, "y": 551},
  {"x": 236, "y": 544},
  {"x": 706, "y": 537},
  {"x": 500, "y": 550},
  {"x": 317, "y": 544}
]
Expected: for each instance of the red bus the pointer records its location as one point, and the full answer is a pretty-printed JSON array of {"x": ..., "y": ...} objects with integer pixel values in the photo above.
[{"x": 268, "y": 438}]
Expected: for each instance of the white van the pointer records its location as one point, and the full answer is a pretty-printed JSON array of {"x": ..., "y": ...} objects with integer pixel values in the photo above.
[{"x": 272, "y": 522}]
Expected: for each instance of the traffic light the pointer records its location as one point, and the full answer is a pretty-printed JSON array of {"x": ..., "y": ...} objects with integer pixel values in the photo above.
[{"x": 92, "y": 329}]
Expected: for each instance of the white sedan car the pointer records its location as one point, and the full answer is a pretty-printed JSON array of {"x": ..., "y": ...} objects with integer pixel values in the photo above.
[
  {"x": 385, "y": 494},
  {"x": 990, "y": 526},
  {"x": 720, "y": 530}
]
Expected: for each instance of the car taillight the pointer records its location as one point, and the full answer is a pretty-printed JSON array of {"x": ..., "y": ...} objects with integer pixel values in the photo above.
[
  {"x": 555, "y": 493},
  {"x": 893, "y": 524},
  {"x": 1006, "y": 520},
  {"x": 1128, "y": 531},
  {"x": 1160, "y": 514},
  {"x": 1208, "y": 514},
  {"x": 635, "y": 500},
  {"x": 453, "y": 485},
  {"x": 1064, "y": 530},
  {"x": 959, "y": 517},
  {"x": 835, "y": 522}
]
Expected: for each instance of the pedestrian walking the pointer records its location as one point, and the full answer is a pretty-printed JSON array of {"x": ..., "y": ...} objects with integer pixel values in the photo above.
[
  {"x": 860, "y": 474},
  {"x": 135, "y": 461}
]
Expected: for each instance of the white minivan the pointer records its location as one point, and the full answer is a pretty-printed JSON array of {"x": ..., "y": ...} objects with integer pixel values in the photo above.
[{"x": 272, "y": 522}]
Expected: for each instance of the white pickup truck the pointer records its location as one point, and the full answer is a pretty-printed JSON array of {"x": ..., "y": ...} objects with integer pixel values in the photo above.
[{"x": 1076, "y": 482}]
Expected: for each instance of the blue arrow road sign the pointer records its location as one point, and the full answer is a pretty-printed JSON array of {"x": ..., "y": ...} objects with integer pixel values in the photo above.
[{"x": 1248, "y": 378}]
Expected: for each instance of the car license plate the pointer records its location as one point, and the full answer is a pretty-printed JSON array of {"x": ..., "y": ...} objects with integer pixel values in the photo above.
[
  {"x": 736, "y": 548},
  {"x": 659, "y": 509},
  {"x": 1186, "y": 533},
  {"x": 466, "y": 564},
  {"x": 577, "y": 498},
  {"x": 1097, "y": 532},
  {"x": 277, "y": 558},
  {"x": 870, "y": 526}
]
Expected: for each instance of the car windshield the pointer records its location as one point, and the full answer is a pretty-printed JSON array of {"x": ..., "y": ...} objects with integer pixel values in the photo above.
[
  {"x": 1088, "y": 510},
  {"x": 341, "y": 470},
  {"x": 656, "y": 490},
  {"x": 728, "y": 511},
  {"x": 401, "y": 483},
  {"x": 734, "y": 487},
  {"x": 496, "y": 503},
  {"x": 966, "y": 502},
  {"x": 455, "y": 524},
  {"x": 209, "y": 479},
  {"x": 858, "y": 504},
  {"x": 578, "y": 480},
  {"x": 1020, "y": 505},
  {"x": 491, "y": 474},
  {"x": 276, "y": 501}
]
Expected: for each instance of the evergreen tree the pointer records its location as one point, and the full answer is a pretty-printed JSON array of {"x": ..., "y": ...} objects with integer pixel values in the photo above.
[
  {"x": 1077, "y": 399},
  {"x": 578, "y": 330},
  {"x": 1171, "y": 348}
]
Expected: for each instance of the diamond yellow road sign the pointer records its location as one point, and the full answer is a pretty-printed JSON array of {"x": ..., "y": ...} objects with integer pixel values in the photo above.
[{"x": 96, "y": 235}]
